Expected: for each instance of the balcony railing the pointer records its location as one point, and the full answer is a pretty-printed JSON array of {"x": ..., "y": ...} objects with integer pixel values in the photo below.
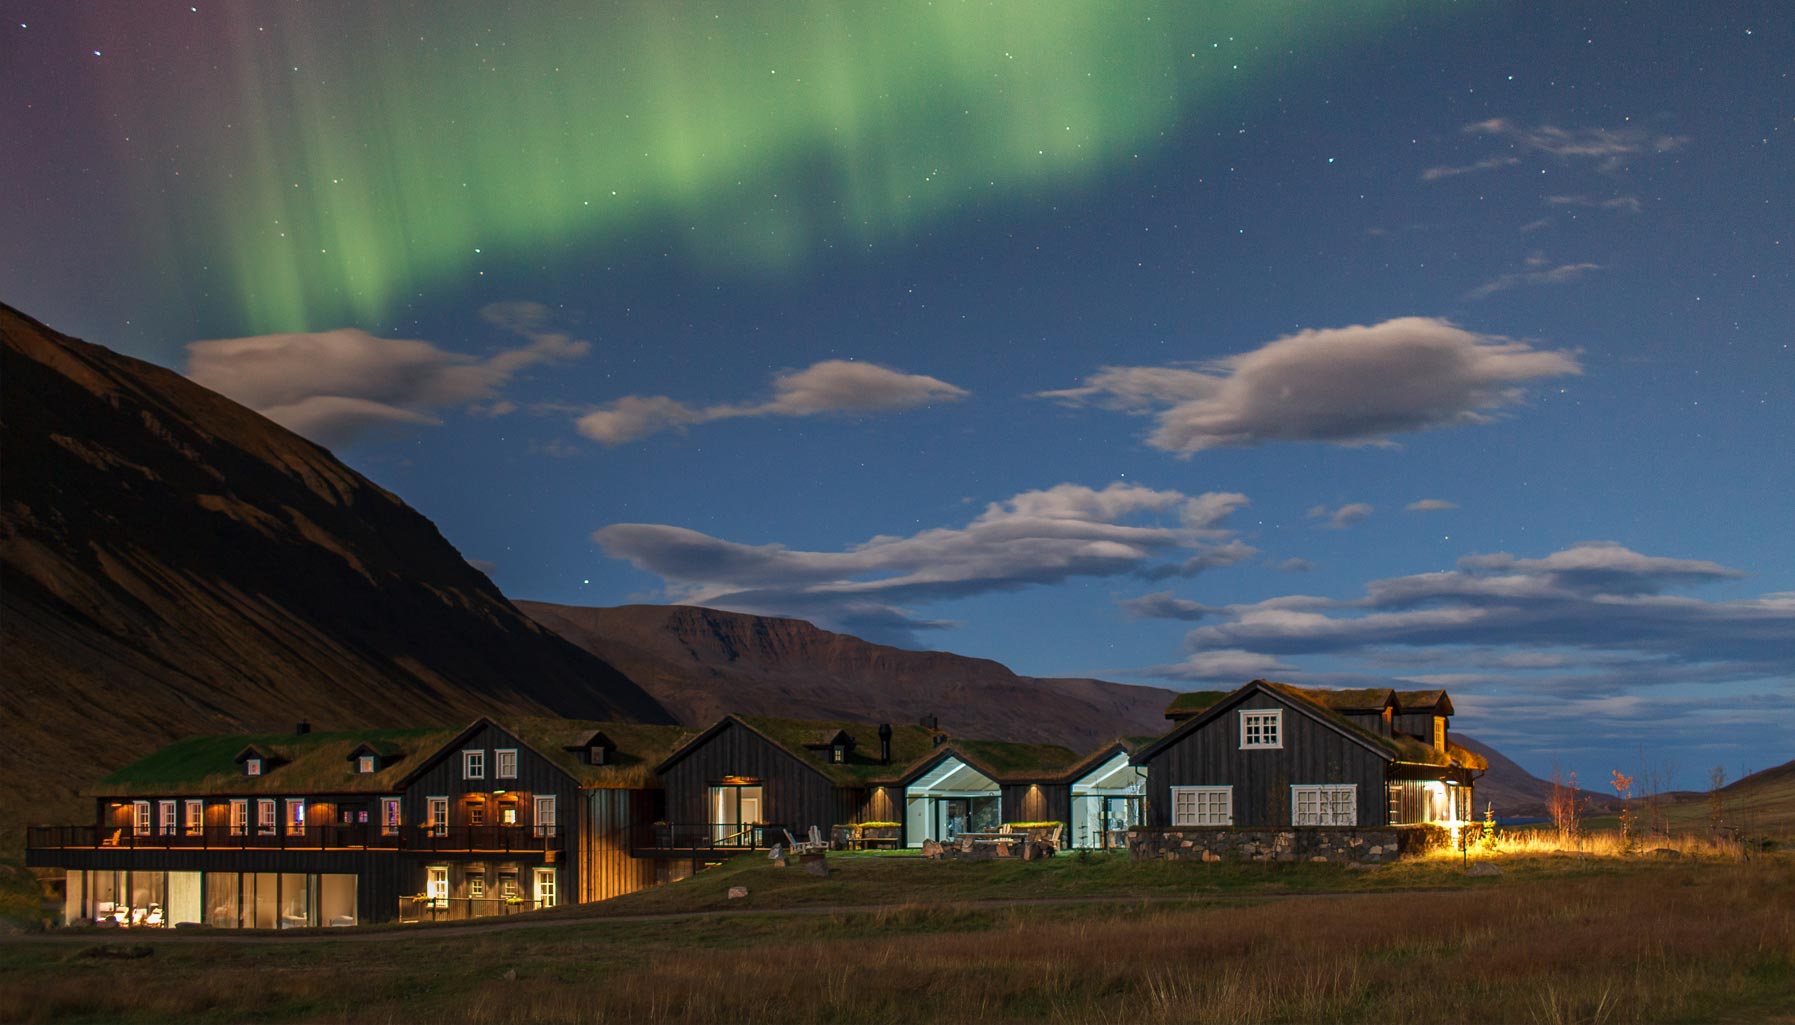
[
  {"x": 723, "y": 838},
  {"x": 499, "y": 839}
]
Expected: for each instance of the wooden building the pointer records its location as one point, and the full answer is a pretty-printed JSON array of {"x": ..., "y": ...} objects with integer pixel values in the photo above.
[
  {"x": 1275, "y": 755},
  {"x": 318, "y": 829}
]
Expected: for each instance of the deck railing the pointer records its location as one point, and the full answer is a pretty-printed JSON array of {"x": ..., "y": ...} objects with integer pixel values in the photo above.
[
  {"x": 723, "y": 838},
  {"x": 502, "y": 839}
]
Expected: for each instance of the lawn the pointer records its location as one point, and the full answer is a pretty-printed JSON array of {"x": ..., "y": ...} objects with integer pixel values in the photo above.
[{"x": 1553, "y": 939}]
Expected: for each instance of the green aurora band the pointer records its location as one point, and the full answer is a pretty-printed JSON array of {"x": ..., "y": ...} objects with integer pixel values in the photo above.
[{"x": 359, "y": 168}]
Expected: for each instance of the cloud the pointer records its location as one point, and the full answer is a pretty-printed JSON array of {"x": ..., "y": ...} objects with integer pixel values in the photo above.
[
  {"x": 1607, "y": 146},
  {"x": 1032, "y": 538},
  {"x": 1630, "y": 204},
  {"x": 1431, "y": 505},
  {"x": 1433, "y": 174},
  {"x": 1231, "y": 666},
  {"x": 1341, "y": 518},
  {"x": 832, "y": 386},
  {"x": 1594, "y": 597},
  {"x": 1559, "y": 275},
  {"x": 1352, "y": 386},
  {"x": 1164, "y": 605},
  {"x": 1294, "y": 565},
  {"x": 332, "y": 386}
]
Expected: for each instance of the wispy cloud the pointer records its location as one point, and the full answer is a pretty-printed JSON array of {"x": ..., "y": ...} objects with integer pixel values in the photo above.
[
  {"x": 1609, "y": 148},
  {"x": 333, "y": 386},
  {"x": 1033, "y": 538},
  {"x": 1434, "y": 174},
  {"x": 1630, "y": 204},
  {"x": 1352, "y": 386},
  {"x": 1562, "y": 274},
  {"x": 1341, "y": 518},
  {"x": 832, "y": 386},
  {"x": 1431, "y": 505}
]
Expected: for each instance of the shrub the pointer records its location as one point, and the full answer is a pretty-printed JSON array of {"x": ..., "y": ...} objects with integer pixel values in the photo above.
[{"x": 1422, "y": 838}]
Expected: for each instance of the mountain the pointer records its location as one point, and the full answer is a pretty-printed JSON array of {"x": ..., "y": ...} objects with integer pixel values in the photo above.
[
  {"x": 1517, "y": 792},
  {"x": 173, "y": 563},
  {"x": 703, "y": 663}
]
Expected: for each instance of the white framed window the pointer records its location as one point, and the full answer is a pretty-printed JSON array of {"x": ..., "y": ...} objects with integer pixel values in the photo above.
[
  {"x": 476, "y": 886},
  {"x": 545, "y": 887},
  {"x": 437, "y": 886},
  {"x": 239, "y": 817},
  {"x": 1202, "y": 806},
  {"x": 295, "y": 816},
  {"x": 1335, "y": 805},
  {"x": 473, "y": 764},
  {"x": 595, "y": 755},
  {"x": 252, "y": 766},
  {"x": 140, "y": 818},
  {"x": 1439, "y": 733},
  {"x": 437, "y": 815},
  {"x": 504, "y": 763},
  {"x": 1261, "y": 727},
  {"x": 364, "y": 763},
  {"x": 195, "y": 817},
  {"x": 165, "y": 818},
  {"x": 389, "y": 816},
  {"x": 545, "y": 815},
  {"x": 265, "y": 816}
]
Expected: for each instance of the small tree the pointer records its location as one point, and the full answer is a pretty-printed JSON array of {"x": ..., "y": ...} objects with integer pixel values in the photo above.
[
  {"x": 1564, "y": 806},
  {"x": 1490, "y": 840},
  {"x": 1716, "y": 800},
  {"x": 1623, "y": 785}
]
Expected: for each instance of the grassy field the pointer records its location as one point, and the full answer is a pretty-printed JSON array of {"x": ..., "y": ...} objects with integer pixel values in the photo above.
[{"x": 1552, "y": 939}]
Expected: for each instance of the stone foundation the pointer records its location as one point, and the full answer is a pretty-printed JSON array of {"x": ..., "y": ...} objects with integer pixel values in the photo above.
[{"x": 1308, "y": 843}]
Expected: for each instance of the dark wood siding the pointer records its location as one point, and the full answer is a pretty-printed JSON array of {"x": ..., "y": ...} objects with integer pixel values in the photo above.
[
  {"x": 1037, "y": 802},
  {"x": 605, "y": 866},
  {"x": 536, "y": 776},
  {"x": 1262, "y": 778},
  {"x": 794, "y": 795}
]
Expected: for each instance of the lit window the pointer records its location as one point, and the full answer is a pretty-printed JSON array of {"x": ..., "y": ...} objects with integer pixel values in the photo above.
[
  {"x": 165, "y": 816},
  {"x": 476, "y": 815},
  {"x": 595, "y": 755},
  {"x": 473, "y": 765},
  {"x": 195, "y": 817},
  {"x": 265, "y": 816},
  {"x": 364, "y": 763},
  {"x": 476, "y": 886},
  {"x": 438, "y": 815},
  {"x": 1325, "y": 805},
  {"x": 389, "y": 816},
  {"x": 1262, "y": 727},
  {"x": 1202, "y": 806},
  {"x": 1439, "y": 733},
  {"x": 295, "y": 816},
  {"x": 140, "y": 818},
  {"x": 504, "y": 763},
  {"x": 545, "y": 815},
  {"x": 838, "y": 754},
  {"x": 252, "y": 766},
  {"x": 239, "y": 817}
]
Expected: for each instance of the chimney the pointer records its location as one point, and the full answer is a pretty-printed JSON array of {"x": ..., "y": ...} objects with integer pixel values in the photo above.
[
  {"x": 884, "y": 743},
  {"x": 301, "y": 728},
  {"x": 929, "y": 722}
]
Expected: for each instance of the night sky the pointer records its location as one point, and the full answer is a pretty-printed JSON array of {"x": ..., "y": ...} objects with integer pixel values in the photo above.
[{"x": 1397, "y": 343}]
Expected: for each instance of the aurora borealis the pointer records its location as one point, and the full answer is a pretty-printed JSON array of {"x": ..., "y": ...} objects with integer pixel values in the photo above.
[
  {"x": 368, "y": 154},
  {"x": 1393, "y": 343}
]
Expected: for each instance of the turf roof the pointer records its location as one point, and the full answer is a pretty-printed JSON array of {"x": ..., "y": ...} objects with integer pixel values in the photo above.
[
  {"x": 1193, "y": 703},
  {"x": 909, "y": 743},
  {"x": 628, "y": 765},
  {"x": 304, "y": 764}
]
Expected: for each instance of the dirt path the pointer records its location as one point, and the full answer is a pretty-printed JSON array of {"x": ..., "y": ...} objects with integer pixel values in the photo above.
[{"x": 447, "y": 931}]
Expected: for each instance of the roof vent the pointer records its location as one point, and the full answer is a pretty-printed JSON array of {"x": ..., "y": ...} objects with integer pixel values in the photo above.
[
  {"x": 929, "y": 722},
  {"x": 301, "y": 728},
  {"x": 940, "y": 739}
]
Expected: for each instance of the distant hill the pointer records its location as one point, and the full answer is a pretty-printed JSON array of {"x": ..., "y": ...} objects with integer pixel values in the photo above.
[
  {"x": 173, "y": 563},
  {"x": 1514, "y": 791},
  {"x": 703, "y": 663},
  {"x": 1758, "y": 804}
]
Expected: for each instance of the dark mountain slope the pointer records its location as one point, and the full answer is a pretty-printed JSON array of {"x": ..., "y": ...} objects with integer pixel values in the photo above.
[
  {"x": 702, "y": 663},
  {"x": 174, "y": 563}
]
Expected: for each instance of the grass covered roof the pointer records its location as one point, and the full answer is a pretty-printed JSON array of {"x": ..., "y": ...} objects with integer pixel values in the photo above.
[{"x": 303, "y": 763}]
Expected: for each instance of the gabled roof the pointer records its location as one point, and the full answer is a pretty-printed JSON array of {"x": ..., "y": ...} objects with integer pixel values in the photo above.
[
  {"x": 794, "y": 737},
  {"x": 633, "y": 751},
  {"x": 256, "y": 751},
  {"x": 1434, "y": 701},
  {"x": 381, "y": 749},
  {"x": 1331, "y": 708},
  {"x": 1002, "y": 760},
  {"x": 829, "y": 738}
]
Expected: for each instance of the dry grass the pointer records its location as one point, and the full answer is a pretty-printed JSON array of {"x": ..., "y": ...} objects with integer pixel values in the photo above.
[
  {"x": 1602, "y": 844},
  {"x": 1680, "y": 940}
]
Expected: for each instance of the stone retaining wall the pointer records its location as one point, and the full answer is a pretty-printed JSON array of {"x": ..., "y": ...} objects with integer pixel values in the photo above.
[{"x": 1309, "y": 843}]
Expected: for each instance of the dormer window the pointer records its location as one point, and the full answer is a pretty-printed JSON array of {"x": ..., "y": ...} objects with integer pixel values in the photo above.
[
  {"x": 838, "y": 754},
  {"x": 252, "y": 766},
  {"x": 364, "y": 763},
  {"x": 595, "y": 755},
  {"x": 1439, "y": 733}
]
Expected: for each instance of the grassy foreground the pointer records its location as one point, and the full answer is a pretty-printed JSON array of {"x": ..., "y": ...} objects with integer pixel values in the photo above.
[{"x": 1553, "y": 939}]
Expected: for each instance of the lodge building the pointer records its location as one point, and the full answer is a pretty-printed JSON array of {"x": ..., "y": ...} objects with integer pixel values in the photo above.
[{"x": 311, "y": 829}]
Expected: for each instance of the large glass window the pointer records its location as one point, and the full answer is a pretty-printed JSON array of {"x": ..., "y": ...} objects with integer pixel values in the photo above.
[{"x": 733, "y": 810}]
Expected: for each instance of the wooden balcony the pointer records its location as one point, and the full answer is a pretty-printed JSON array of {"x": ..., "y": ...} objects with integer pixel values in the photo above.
[
  {"x": 428, "y": 839},
  {"x": 704, "y": 840}
]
